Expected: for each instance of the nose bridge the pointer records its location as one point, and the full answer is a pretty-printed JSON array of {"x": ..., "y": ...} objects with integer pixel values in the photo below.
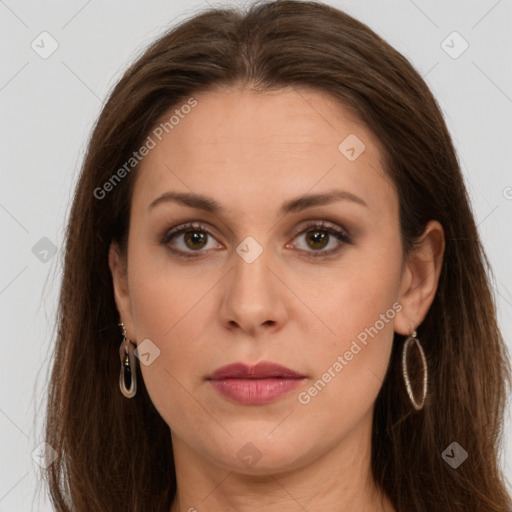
[
  {"x": 253, "y": 297},
  {"x": 252, "y": 268}
]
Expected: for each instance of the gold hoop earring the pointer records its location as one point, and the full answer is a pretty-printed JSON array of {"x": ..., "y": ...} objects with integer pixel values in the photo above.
[
  {"x": 412, "y": 338},
  {"x": 128, "y": 373}
]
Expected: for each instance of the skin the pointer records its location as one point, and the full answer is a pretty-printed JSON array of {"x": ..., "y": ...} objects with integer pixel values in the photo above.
[{"x": 251, "y": 152}]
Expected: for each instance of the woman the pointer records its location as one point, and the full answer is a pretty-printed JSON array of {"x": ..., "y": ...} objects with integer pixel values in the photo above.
[{"x": 272, "y": 216}]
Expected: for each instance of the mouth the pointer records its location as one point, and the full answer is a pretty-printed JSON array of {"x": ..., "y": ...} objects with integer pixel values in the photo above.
[
  {"x": 254, "y": 385},
  {"x": 262, "y": 370}
]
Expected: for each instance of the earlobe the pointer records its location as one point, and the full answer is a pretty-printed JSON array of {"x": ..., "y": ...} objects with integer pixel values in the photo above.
[
  {"x": 121, "y": 291},
  {"x": 420, "y": 278}
]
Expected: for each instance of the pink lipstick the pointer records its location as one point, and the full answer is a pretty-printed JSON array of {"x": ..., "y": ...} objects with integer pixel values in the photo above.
[{"x": 253, "y": 385}]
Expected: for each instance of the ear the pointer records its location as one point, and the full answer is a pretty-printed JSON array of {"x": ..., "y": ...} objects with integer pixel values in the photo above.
[
  {"x": 420, "y": 279},
  {"x": 118, "y": 268}
]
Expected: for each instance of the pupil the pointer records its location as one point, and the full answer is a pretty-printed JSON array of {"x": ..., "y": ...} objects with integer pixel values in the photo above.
[
  {"x": 194, "y": 237},
  {"x": 318, "y": 237}
]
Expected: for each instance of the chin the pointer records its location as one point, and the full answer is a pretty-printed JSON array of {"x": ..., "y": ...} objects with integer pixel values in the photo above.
[{"x": 260, "y": 455}]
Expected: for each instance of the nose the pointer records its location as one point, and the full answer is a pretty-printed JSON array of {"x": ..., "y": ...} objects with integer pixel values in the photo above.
[{"x": 254, "y": 297}]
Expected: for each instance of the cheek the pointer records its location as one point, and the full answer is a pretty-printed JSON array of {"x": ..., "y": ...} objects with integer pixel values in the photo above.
[
  {"x": 162, "y": 317},
  {"x": 166, "y": 306},
  {"x": 352, "y": 355},
  {"x": 163, "y": 293},
  {"x": 345, "y": 390},
  {"x": 352, "y": 296},
  {"x": 167, "y": 311},
  {"x": 349, "y": 364}
]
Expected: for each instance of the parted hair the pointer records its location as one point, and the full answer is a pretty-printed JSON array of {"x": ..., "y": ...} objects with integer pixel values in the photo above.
[{"x": 114, "y": 453}]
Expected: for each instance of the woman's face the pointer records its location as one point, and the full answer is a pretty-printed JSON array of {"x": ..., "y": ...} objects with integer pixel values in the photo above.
[{"x": 264, "y": 277}]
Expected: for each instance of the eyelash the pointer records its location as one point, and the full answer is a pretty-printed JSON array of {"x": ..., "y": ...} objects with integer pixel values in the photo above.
[{"x": 319, "y": 225}]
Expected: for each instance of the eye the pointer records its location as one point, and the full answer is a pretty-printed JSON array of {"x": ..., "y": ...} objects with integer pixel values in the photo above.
[
  {"x": 195, "y": 238},
  {"x": 319, "y": 234}
]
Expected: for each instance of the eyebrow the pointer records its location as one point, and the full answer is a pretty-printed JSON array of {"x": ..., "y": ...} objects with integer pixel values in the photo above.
[{"x": 208, "y": 204}]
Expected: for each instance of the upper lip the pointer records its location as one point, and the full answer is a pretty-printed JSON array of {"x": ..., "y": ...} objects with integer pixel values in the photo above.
[{"x": 262, "y": 370}]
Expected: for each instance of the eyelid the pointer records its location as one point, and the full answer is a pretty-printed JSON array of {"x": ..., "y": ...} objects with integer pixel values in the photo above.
[
  {"x": 187, "y": 226},
  {"x": 320, "y": 223}
]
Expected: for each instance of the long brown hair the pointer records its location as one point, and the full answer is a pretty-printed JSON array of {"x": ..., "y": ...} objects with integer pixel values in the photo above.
[{"x": 116, "y": 454}]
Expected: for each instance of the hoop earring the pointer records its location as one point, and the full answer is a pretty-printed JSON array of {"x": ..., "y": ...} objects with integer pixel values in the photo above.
[
  {"x": 127, "y": 375},
  {"x": 412, "y": 337}
]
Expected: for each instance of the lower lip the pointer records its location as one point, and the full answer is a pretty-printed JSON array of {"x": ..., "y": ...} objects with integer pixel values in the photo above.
[{"x": 255, "y": 391}]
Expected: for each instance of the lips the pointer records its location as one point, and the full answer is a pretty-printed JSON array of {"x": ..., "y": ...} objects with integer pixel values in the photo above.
[
  {"x": 254, "y": 385},
  {"x": 263, "y": 370}
]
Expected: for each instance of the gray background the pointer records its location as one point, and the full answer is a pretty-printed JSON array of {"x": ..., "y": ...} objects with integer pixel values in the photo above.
[{"x": 48, "y": 107}]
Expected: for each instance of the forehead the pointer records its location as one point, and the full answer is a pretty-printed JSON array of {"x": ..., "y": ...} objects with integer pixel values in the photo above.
[{"x": 252, "y": 150}]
